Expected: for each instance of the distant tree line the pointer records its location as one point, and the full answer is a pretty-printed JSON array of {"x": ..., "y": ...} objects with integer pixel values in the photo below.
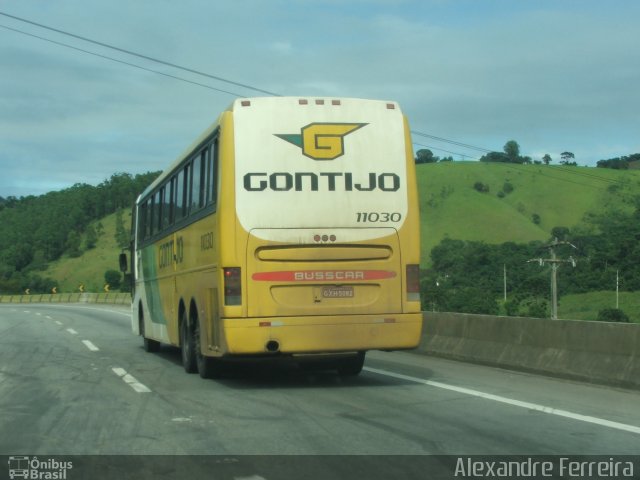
[
  {"x": 511, "y": 154},
  {"x": 620, "y": 163},
  {"x": 424, "y": 155},
  {"x": 39, "y": 229},
  {"x": 468, "y": 276}
]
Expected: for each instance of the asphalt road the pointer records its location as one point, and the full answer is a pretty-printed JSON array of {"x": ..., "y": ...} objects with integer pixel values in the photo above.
[{"x": 74, "y": 380}]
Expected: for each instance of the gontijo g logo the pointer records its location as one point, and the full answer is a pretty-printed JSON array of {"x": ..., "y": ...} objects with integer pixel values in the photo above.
[{"x": 321, "y": 141}]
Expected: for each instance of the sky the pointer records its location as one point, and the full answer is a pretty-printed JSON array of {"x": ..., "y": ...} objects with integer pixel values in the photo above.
[{"x": 553, "y": 75}]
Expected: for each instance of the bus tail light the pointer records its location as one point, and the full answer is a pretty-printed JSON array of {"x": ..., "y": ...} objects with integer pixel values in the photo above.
[
  {"x": 232, "y": 286},
  {"x": 413, "y": 283}
]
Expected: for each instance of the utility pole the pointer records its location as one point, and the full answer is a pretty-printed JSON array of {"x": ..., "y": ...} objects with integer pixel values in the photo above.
[
  {"x": 617, "y": 289},
  {"x": 555, "y": 263},
  {"x": 505, "y": 281}
]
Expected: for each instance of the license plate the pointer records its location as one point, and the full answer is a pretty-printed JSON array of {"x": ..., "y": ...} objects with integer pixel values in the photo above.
[{"x": 337, "y": 292}]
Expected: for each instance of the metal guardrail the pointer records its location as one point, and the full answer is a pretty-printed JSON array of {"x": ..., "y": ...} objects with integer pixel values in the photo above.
[{"x": 112, "y": 298}]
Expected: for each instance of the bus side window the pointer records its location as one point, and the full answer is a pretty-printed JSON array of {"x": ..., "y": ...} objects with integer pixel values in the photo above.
[
  {"x": 157, "y": 211},
  {"x": 142, "y": 228},
  {"x": 166, "y": 205},
  {"x": 150, "y": 216},
  {"x": 202, "y": 185},
  {"x": 180, "y": 194},
  {"x": 196, "y": 184},
  {"x": 212, "y": 173}
]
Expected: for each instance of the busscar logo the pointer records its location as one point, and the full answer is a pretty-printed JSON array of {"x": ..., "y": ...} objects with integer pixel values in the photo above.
[{"x": 321, "y": 141}]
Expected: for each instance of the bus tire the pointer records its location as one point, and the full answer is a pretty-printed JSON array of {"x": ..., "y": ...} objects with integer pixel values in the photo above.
[
  {"x": 208, "y": 367},
  {"x": 187, "y": 345},
  {"x": 352, "y": 366},
  {"x": 148, "y": 344}
]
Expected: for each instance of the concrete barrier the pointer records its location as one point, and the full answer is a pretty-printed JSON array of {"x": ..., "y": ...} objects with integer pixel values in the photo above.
[
  {"x": 113, "y": 298},
  {"x": 597, "y": 352}
]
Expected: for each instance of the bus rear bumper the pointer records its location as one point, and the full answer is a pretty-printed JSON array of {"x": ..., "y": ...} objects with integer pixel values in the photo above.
[{"x": 302, "y": 335}]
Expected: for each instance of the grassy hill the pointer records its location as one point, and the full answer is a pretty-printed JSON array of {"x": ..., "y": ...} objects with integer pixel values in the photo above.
[
  {"x": 585, "y": 306},
  {"x": 559, "y": 196},
  {"x": 89, "y": 268}
]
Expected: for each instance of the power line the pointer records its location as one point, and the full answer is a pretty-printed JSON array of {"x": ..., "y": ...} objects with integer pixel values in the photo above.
[
  {"x": 453, "y": 142},
  {"x": 442, "y": 149},
  {"x": 187, "y": 69},
  {"x": 139, "y": 55},
  {"x": 573, "y": 171},
  {"x": 568, "y": 170},
  {"x": 120, "y": 61}
]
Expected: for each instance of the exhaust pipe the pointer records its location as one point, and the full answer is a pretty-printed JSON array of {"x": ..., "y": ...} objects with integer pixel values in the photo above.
[{"x": 272, "y": 346}]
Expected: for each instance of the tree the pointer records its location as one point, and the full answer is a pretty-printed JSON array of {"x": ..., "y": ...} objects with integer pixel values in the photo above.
[
  {"x": 561, "y": 233},
  {"x": 113, "y": 278},
  {"x": 91, "y": 238},
  {"x": 494, "y": 157},
  {"x": 512, "y": 149},
  {"x": 566, "y": 157},
  {"x": 122, "y": 236},
  {"x": 18, "y": 256},
  {"x": 614, "y": 163},
  {"x": 547, "y": 159},
  {"x": 73, "y": 244},
  {"x": 425, "y": 155}
]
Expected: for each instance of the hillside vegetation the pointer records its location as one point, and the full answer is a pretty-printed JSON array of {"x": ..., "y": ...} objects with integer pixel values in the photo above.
[
  {"x": 542, "y": 197},
  {"x": 89, "y": 268},
  {"x": 482, "y": 217}
]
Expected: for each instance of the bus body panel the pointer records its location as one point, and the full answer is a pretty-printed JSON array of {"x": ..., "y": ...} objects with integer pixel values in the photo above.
[
  {"x": 300, "y": 278},
  {"x": 323, "y": 334}
]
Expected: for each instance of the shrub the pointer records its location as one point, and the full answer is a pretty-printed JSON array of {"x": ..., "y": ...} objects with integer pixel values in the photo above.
[
  {"x": 507, "y": 187},
  {"x": 612, "y": 315},
  {"x": 113, "y": 278},
  {"x": 481, "y": 187}
]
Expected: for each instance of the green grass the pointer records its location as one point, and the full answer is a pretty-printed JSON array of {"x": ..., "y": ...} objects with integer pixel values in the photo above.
[
  {"x": 585, "y": 306},
  {"x": 89, "y": 268},
  {"x": 561, "y": 196}
]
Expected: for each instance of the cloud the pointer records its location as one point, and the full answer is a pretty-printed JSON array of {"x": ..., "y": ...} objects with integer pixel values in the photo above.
[{"x": 549, "y": 75}]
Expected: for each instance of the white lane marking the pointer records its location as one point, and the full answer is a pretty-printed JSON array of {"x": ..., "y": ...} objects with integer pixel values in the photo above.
[
  {"x": 49, "y": 318},
  {"x": 77, "y": 307},
  {"x": 72, "y": 331},
  {"x": 90, "y": 345},
  {"x": 130, "y": 380},
  {"x": 510, "y": 401},
  {"x": 38, "y": 314},
  {"x": 58, "y": 322}
]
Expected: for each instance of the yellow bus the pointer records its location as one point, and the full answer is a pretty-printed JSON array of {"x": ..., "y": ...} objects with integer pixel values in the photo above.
[{"x": 288, "y": 228}]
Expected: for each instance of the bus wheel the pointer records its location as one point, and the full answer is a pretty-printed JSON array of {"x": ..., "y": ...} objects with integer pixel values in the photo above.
[
  {"x": 149, "y": 345},
  {"x": 351, "y": 366},
  {"x": 208, "y": 367},
  {"x": 187, "y": 345}
]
